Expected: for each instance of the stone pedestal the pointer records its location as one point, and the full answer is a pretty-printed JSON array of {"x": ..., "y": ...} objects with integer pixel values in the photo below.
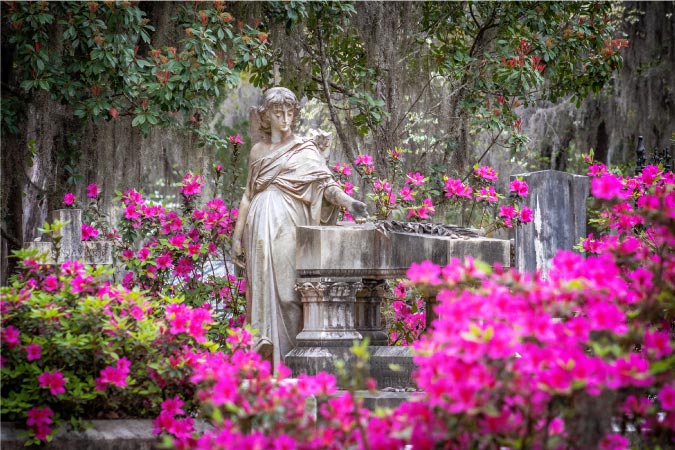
[
  {"x": 367, "y": 311},
  {"x": 328, "y": 312}
]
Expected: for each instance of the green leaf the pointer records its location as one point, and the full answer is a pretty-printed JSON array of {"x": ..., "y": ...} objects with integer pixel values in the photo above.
[{"x": 138, "y": 120}]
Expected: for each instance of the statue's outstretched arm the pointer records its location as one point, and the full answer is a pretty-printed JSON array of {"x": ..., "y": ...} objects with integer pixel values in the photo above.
[{"x": 357, "y": 209}]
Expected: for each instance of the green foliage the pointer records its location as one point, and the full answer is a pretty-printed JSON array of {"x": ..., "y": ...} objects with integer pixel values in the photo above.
[
  {"x": 99, "y": 59},
  {"x": 482, "y": 59}
]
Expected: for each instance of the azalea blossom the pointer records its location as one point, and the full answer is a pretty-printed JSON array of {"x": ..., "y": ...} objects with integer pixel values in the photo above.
[
  {"x": 69, "y": 199},
  {"x": 236, "y": 139},
  {"x": 33, "y": 352},
  {"x": 486, "y": 173},
  {"x": 520, "y": 187},
  {"x": 363, "y": 160},
  {"x": 192, "y": 185},
  {"x": 92, "y": 190},
  {"x": 416, "y": 179},
  {"x": 455, "y": 188},
  {"x": 54, "y": 381},
  {"x": 88, "y": 232}
]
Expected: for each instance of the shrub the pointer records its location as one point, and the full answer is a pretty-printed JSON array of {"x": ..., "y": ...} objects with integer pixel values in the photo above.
[
  {"x": 182, "y": 252},
  {"x": 580, "y": 359},
  {"x": 76, "y": 347}
]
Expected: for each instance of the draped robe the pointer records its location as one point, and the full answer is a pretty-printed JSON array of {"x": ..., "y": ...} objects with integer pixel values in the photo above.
[{"x": 287, "y": 189}]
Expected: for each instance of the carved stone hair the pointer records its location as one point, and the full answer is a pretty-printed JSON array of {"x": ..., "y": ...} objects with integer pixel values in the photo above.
[{"x": 277, "y": 96}]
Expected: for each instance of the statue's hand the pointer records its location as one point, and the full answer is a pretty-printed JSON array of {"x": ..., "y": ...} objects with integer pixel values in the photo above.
[
  {"x": 358, "y": 211},
  {"x": 237, "y": 253}
]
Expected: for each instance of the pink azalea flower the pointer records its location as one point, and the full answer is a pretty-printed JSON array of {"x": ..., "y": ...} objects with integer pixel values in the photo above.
[
  {"x": 382, "y": 185},
  {"x": 508, "y": 212},
  {"x": 194, "y": 249},
  {"x": 400, "y": 291},
  {"x": 164, "y": 261},
  {"x": 10, "y": 336},
  {"x": 39, "y": 416},
  {"x": 607, "y": 187},
  {"x": 395, "y": 153},
  {"x": 173, "y": 406},
  {"x": 88, "y": 232},
  {"x": 526, "y": 215},
  {"x": 455, "y": 188},
  {"x": 69, "y": 199},
  {"x": 92, "y": 190},
  {"x": 657, "y": 343},
  {"x": 347, "y": 187},
  {"x": 416, "y": 179},
  {"x": 54, "y": 381},
  {"x": 237, "y": 140},
  {"x": 520, "y": 187},
  {"x": 50, "y": 284},
  {"x": 486, "y": 173},
  {"x": 33, "y": 352},
  {"x": 425, "y": 272},
  {"x": 487, "y": 194},
  {"x": 667, "y": 397},
  {"x": 132, "y": 197},
  {"x": 614, "y": 442},
  {"x": 363, "y": 160},
  {"x": 407, "y": 194},
  {"x": 130, "y": 212},
  {"x": 177, "y": 240},
  {"x": 192, "y": 185}
]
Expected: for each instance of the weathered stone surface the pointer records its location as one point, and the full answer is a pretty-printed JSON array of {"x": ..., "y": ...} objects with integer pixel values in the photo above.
[
  {"x": 558, "y": 200},
  {"x": 70, "y": 234},
  {"x": 104, "y": 435},
  {"x": 383, "y": 399},
  {"x": 382, "y": 362},
  {"x": 367, "y": 315},
  {"x": 363, "y": 251},
  {"x": 312, "y": 360},
  {"x": 97, "y": 252},
  {"x": 328, "y": 312}
]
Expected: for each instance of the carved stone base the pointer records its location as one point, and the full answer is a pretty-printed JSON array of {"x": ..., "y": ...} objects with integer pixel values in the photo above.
[
  {"x": 368, "y": 319},
  {"x": 328, "y": 312}
]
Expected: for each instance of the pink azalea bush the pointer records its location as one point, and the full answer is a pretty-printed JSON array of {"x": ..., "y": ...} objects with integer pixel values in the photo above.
[
  {"x": 406, "y": 316},
  {"x": 173, "y": 252},
  {"x": 75, "y": 346},
  {"x": 403, "y": 197},
  {"x": 520, "y": 360},
  {"x": 478, "y": 195}
]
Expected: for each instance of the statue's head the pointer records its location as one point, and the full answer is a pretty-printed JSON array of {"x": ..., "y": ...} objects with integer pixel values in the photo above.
[{"x": 277, "y": 96}]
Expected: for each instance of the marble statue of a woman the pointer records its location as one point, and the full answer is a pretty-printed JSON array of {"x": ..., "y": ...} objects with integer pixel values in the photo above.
[{"x": 289, "y": 185}]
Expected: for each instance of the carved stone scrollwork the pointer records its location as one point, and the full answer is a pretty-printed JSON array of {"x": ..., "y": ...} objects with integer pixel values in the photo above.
[
  {"x": 328, "y": 312},
  {"x": 367, "y": 311}
]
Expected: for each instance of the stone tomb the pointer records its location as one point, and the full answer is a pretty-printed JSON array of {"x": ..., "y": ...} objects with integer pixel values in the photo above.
[
  {"x": 341, "y": 281},
  {"x": 71, "y": 245}
]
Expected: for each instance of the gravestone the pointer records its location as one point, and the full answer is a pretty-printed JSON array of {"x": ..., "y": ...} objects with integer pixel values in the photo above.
[
  {"x": 71, "y": 245},
  {"x": 341, "y": 274},
  {"x": 558, "y": 201}
]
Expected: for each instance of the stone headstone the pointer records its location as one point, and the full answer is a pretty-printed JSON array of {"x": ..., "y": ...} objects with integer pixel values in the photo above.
[
  {"x": 558, "y": 201},
  {"x": 71, "y": 245}
]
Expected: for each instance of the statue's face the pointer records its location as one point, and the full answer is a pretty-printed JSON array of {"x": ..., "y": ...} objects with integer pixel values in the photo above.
[{"x": 281, "y": 117}]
